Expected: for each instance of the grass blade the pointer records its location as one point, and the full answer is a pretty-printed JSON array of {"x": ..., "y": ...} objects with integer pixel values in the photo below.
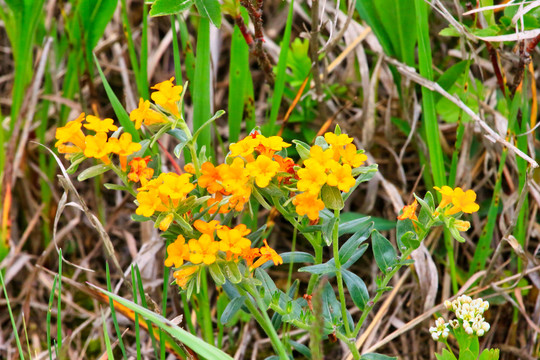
[
  {"x": 121, "y": 114},
  {"x": 59, "y": 305},
  {"x": 202, "y": 106},
  {"x": 279, "y": 86},
  {"x": 113, "y": 313},
  {"x": 198, "y": 345},
  {"x": 13, "y": 324},
  {"x": 238, "y": 71}
]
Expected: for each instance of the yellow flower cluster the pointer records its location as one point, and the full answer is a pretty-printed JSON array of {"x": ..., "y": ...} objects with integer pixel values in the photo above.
[
  {"x": 167, "y": 99},
  {"x": 331, "y": 166},
  {"x": 72, "y": 141},
  {"x": 163, "y": 194},
  {"x": 253, "y": 161},
  {"x": 460, "y": 200},
  {"x": 215, "y": 241}
]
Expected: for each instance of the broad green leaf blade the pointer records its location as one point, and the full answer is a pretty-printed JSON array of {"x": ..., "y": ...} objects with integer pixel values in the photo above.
[
  {"x": 357, "y": 289},
  {"x": 202, "y": 105},
  {"x": 169, "y": 7},
  {"x": 232, "y": 309},
  {"x": 210, "y": 9},
  {"x": 93, "y": 171},
  {"x": 489, "y": 354},
  {"x": 374, "y": 356},
  {"x": 446, "y": 355},
  {"x": 383, "y": 251},
  {"x": 351, "y": 245},
  {"x": 196, "y": 344}
]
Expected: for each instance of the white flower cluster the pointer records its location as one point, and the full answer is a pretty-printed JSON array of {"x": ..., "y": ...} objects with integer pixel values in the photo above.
[
  {"x": 470, "y": 312},
  {"x": 440, "y": 330}
]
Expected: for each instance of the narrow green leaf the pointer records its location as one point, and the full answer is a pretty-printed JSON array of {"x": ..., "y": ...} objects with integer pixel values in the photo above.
[
  {"x": 195, "y": 343},
  {"x": 217, "y": 274},
  {"x": 121, "y": 114},
  {"x": 351, "y": 245},
  {"x": 202, "y": 105},
  {"x": 93, "y": 171},
  {"x": 210, "y": 9}
]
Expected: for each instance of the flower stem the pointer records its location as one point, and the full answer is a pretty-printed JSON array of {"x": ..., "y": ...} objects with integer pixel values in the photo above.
[
  {"x": 339, "y": 278},
  {"x": 264, "y": 320},
  {"x": 204, "y": 310}
]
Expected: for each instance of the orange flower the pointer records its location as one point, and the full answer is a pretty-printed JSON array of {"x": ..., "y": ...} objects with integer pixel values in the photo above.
[
  {"x": 139, "y": 170},
  {"x": 207, "y": 227},
  {"x": 177, "y": 252},
  {"x": 166, "y": 222},
  {"x": 183, "y": 275},
  {"x": 460, "y": 200},
  {"x": 98, "y": 147},
  {"x": 233, "y": 240},
  {"x": 189, "y": 168},
  {"x": 210, "y": 178},
  {"x": 312, "y": 178},
  {"x": 350, "y": 156},
  {"x": 337, "y": 140},
  {"x": 308, "y": 204},
  {"x": 409, "y": 212},
  {"x": 267, "y": 253},
  {"x": 461, "y": 225},
  {"x": 269, "y": 146}
]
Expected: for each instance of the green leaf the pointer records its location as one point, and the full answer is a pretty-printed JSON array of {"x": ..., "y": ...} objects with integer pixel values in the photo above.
[
  {"x": 302, "y": 148},
  {"x": 383, "y": 251},
  {"x": 169, "y": 7},
  {"x": 352, "y": 226},
  {"x": 374, "y": 356},
  {"x": 469, "y": 347},
  {"x": 210, "y": 9},
  {"x": 357, "y": 289},
  {"x": 195, "y": 343},
  {"x": 449, "y": 31},
  {"x": 489, "y": 354},
  {"x": 320, "y": 269},
  {"x": 446, "y": 355},
  {"x": 217, "y": 274},
  {"x": 301, "y": 348},
  {"x": 93, "y": 171},
  {"x": 351, "y": 245},
  {"x": 116, "y": 187},
  {"x": 331, "y": 196},
  {"x": 208, "y": 122},
  {"x": 232, "y": 309},
  {"x": 406, "y": 235},
  {"x": 232, "y": 272},
  {"x": 327, "y": 229}
]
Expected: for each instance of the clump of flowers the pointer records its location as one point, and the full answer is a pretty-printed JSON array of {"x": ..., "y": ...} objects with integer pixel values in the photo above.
[{"x": 467, "y": 327}]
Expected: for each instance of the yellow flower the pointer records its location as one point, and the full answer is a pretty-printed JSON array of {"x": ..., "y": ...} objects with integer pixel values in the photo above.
[
  {"x": 177, "y": 252},
  {"x": 139, "y": 170},
  {"x": 98, "y": 147},
  {"x": 244, "y": 147},
  {"x": 409, "y": 212},
  {"x": 232, "y": 240},
  {"x": 234, "y": 176},
  {"x": 308, "y": 204},
  {"x": 203, "y": 250},
  {"x": 149, "y": 202},
  {"x": 324, "y": 158},
  {"x": 167, "y": 95},
  {"x": 207, "y": 227},
  {"x": 124, "y": 147},
  {"x": 350, "y": 156},
  {"x": 312, "y": 178},
  {"x": 267, "y": 253},
  {"x": 144, "y": 114},
  {"x": 337, "y": 140},
  {"x": 175, "y": 186},
  {"x": 460, "y": 200},
  {"x": 262, "y": 169},
  {"x": 72, "y": 133},
  {"x": 183, "y": 275},
  {"x": 96, "y": 124},
  {"x": 463, "y": 201},
  {"x": 341, "y": 176}
]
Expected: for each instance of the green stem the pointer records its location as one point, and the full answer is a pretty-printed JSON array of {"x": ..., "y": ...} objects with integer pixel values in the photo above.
[
  {"x": 204, "y": 310},
  {"x": 318, "y": 260},
  {"x": 264, "y": 320},
  {"x": 339, "y": 278},
  {"x": 384, "y": 283},
  {"x": 350, "y": 343}
]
